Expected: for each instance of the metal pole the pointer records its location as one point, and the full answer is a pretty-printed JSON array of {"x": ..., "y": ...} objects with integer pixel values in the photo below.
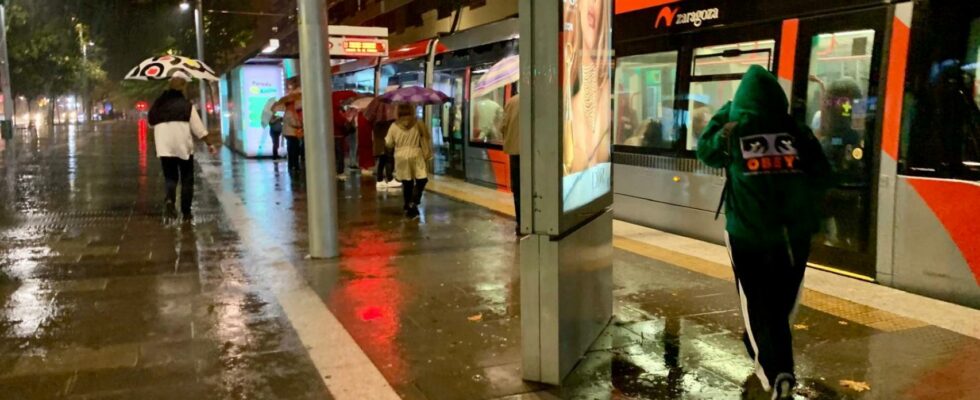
[
  {"x": 321, "y": 178},
  {"x": 84, "y": 96},
  {"x": 199, "y": 29},
  {"x": 8, "y": 96}
]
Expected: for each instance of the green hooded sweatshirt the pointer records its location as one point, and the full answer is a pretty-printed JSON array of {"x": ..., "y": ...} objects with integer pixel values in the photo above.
[{"x": 777, "y": 172}]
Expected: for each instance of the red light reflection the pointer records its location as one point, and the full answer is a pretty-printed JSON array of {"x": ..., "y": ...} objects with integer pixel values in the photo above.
[{"x": 370, "y": 303}]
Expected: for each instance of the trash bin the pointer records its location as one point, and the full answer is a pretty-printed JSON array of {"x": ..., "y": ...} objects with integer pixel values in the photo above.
[{"x": 7, "y": 129}]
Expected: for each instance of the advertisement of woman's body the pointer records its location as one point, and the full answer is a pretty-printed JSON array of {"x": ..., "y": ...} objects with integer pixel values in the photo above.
[{"x": 587, "y": 51}]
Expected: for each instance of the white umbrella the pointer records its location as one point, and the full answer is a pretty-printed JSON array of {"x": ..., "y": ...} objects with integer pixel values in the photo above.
[{"x": 166, "y": 67}]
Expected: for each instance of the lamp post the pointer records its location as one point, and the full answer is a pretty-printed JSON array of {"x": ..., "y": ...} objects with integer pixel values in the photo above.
[
  {"x": 8, "y": 97},
  {"x": 199, "y": 33}
]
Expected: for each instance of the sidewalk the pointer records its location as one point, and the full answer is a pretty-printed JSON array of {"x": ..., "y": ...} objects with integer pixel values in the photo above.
[
  {"x": 104, "y": 300},
  {"x": 434, "y": 305},
  {"x": 100, "y": 299}
]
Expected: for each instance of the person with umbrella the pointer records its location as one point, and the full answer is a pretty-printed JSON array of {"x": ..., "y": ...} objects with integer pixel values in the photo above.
[
  {"x": 175, "y": 124},
  {"x": 293, "y": 124},
  {"x": 412, "y": 143},
  {"x": 382, "y": 115}
]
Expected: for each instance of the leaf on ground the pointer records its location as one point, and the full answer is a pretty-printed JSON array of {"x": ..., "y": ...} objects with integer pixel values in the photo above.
[
  {"x": 476, "y": 317},
  {"x": 856, "y": 386}
]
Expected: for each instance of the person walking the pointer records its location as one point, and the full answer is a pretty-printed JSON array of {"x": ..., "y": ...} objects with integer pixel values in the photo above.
[
  {"x": 412, "y": 143},
  {"x": 176, "y": 123},
  {"x": 777, "y": 174},
  {"x": 292, "y": 126},
  {"x": 385, "y": 174},
  {"x": 273, "y": 121},
  {"x": 511, "y": 129}
]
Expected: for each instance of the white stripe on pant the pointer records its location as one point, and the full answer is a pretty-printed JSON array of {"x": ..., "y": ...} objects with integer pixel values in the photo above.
[{"x": 769, "y": 281}]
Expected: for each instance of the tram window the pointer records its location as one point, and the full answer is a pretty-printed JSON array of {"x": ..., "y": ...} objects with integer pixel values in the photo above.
[
  {"x": 643, "y": 101},
  {"x": 735, "y": 58},
  {"x": 839, "y": 109},
  {"x": 944, "y": 107},
  {"x": 486, "y": 113},
  {"x": 716, "y": 73}
]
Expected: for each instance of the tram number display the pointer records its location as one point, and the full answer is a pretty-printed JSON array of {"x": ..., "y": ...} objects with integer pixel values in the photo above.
[{"x": 586, "y": 102}]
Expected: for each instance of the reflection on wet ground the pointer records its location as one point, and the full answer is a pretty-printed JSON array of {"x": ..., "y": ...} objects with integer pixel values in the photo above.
[
  {"x": 91, "y": 273},
  {"x": 435, "y": 305},
  {"x": 102, "y": 298}
]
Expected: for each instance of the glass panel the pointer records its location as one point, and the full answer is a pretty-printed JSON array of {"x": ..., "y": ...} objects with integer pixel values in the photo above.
[
  {"x": 486, "y": 113},
  {"x": 447, "y": 129},
  {"x": 839, "y": 109},
  {"x": 643, "y": 101},
  {"x": 733, "y": 58},
  {"x": 710, "y": 90},
  {"x": 706, "y": 98}
]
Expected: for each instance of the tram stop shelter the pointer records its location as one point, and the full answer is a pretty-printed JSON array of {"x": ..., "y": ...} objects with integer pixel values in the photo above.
[{"x": 260, "y": 79}]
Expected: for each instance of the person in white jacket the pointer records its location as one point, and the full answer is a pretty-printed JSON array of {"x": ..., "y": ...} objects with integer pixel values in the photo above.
[{"x": 176, "y": 123}]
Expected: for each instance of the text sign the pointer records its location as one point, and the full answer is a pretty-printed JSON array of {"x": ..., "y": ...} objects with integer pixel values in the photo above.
[{"x": 358, "y": 47}]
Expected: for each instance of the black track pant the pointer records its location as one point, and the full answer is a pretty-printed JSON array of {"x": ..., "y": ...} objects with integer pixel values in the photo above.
[
  {"x": 412, "y": 191},
  {"x": 386, "y": 168},
  {"x": 769, "y": 281},
  {"x": 177, "y": 171}
]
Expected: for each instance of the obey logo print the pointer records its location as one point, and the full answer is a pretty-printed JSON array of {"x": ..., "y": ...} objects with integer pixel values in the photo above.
[
  {"x": 667, "y": 15},
  {"x": 769, "y": 153}
]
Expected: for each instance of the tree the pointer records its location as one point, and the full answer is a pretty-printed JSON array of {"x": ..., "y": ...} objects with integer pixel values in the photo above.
[{"x": 45, "y": 54}]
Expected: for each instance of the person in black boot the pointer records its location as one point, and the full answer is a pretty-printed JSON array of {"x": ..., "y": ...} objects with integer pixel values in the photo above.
[
  {"x": 413, "y": 149},
  {"x": 176, "y": 123}
]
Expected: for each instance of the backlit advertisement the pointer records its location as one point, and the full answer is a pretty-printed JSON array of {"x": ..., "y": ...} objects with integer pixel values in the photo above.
[
  {"x": 587, "y": 99},
  {"x": 260, "y": 86}
]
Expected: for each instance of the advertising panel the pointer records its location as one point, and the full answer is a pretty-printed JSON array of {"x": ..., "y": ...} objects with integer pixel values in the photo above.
[
  {"x": 586, "y": 102},
  {"x": 261, "y": 85}
]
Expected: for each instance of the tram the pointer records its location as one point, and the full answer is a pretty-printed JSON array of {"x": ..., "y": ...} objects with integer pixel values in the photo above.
[{"x": 889, "y": 87}]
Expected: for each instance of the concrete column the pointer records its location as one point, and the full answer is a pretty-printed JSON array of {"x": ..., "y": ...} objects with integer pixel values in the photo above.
[
  {"x": 199, "y": 29},
  {"x": 321, "y": 176},
  {"x": 566, "y": 260}
]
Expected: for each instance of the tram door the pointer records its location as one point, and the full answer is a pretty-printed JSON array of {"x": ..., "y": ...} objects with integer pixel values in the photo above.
[
  {"x": 836, "y": 92},
  {"x": 447, "y": 123}
]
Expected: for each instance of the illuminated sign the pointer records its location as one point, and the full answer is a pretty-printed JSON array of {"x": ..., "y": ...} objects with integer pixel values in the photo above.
[{"x": 358, "y": 47}]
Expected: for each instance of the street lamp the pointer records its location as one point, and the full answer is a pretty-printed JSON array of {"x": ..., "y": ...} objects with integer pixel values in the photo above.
[{"x": 199, "y": 33}]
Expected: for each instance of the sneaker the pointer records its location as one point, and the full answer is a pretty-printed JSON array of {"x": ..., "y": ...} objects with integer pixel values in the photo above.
[
  {"x": 394, "y": 184},
  {"x": 784, "y": 387},
  {"x": 413, "y": 212},
  {"x": 342, "y": 177},
  {"x": 381, "y": 185}
]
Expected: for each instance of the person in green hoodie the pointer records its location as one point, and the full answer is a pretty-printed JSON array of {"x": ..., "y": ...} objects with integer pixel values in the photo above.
[{"x": 777, "y": 174}]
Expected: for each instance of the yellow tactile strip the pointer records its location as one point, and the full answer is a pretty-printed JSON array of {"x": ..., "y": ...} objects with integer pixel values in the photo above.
[{"x": 841, "y": 308}]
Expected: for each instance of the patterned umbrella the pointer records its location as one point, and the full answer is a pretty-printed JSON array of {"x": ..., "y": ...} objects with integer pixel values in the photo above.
[
  {"x": 360, "y": 103},
  {"x": 414, "y": 95},
  {"x": 166, "y": 67},
  {"x": 501, "y": 74}
]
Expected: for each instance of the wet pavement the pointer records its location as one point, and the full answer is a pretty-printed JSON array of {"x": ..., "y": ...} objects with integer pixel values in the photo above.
[{"x": 103, "y": 299}]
